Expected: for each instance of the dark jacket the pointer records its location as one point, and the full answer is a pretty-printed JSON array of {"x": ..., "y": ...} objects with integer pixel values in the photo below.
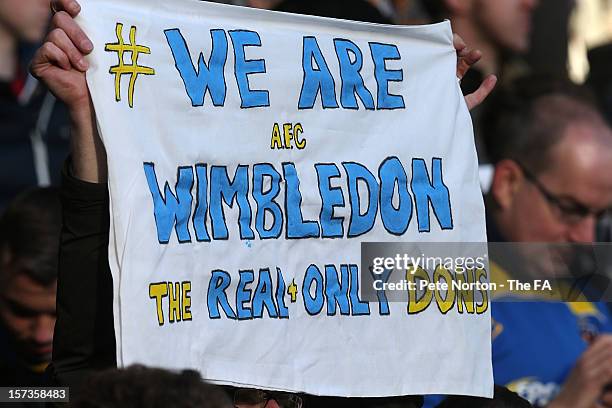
[
  {"x": 14, "y": 372},
  {"x": 84, "y": 339},
  {"x": 34, "y": 136}
]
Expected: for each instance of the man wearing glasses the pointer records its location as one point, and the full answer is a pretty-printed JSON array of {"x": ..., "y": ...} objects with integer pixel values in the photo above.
[{"x": 553, "y": 183}]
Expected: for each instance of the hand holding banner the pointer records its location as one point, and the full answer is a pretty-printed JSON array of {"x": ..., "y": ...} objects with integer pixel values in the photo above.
[{"x": 250, "y": 154}]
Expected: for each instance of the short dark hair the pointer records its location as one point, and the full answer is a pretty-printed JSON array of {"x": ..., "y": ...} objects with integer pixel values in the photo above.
[
  {"x": 139, "y": 386},
  {"x": 526, "y": 119},
  {"x": 503, "y": 398},
  {"x": 436, "y": 9},
  {"x": 30, "y": 234}
]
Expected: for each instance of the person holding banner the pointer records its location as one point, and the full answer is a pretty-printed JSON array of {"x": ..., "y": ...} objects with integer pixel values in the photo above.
[{"x": 84, "y": 339}]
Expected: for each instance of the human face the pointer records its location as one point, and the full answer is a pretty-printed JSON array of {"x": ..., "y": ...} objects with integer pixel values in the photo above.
[
  {"x": 580, "y": 175},
  {"x": 506, "y": 22},
  {"x": 27, "y": 310},
  {"x": 26, "y": 19}
]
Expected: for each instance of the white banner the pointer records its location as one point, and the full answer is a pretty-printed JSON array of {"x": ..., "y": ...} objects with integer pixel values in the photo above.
[{"x": 250, "y": 154}]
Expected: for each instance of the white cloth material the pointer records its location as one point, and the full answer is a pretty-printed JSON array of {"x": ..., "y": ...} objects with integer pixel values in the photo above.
[{"x": 172, "y": 158}]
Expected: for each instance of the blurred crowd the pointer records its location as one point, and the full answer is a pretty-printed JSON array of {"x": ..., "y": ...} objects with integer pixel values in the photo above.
[{"x": 544, "y": 143}]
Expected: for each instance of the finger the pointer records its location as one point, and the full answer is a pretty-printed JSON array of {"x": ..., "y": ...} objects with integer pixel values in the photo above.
[
  {"x": 70, "y": 6},
  {"x": 473, "y": 57},
  {"x": 458, "y": 43},
  {"x": 476, "y": 98},
  {"x": 49, "y": 53},
  {"x": 65, "y": 22},
  {"x": 599, "y": 373},
  {"x": 466, "y": 61},
  {"x": 61, "y": 40},
  {"x": 599, "y": 347},
  {"x": 603, "y": 340}
]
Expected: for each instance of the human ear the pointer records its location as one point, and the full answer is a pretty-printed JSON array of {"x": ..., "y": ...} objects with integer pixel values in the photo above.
[{"x": 507, "y": 180}]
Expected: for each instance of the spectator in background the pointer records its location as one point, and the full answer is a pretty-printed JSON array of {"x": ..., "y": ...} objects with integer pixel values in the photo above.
[
  {"x": 600, "y": 77},
  {"x": 33, "y": 128},
  {"x": 24, "y": 20},
  {"x": 29, "y": 244},
  {"x": 359, "y": 10},
  {"x": 549, "y": 50},
  {"x": 499, "y": 28},
  {"x": 496, "y": 27},
  {"x": 142, "y": 387},
  {"x": 381, "y": 11},
  {"x": 600, "y": 81},
  {"x": 410, "y": 12},
  {"x": 552, "y": 182},
  {"x": 502, "y": 398}
]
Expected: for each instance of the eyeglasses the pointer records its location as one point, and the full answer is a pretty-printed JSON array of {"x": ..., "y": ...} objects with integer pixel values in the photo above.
[
  {"x": 569, "y": 211},
  {"x": 245, "y": 396}
]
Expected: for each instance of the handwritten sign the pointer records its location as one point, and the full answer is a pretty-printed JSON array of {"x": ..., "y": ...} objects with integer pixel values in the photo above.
[{"x": 250, "y": 154}]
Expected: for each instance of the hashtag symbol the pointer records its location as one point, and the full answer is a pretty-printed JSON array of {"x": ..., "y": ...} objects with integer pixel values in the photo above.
[{"x": 133, "y": 69}]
